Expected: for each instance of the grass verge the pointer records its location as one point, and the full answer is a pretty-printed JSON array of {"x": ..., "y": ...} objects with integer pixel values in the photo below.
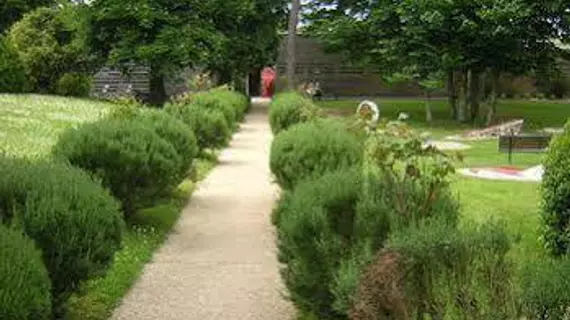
[{"x": 99, "y": 297}]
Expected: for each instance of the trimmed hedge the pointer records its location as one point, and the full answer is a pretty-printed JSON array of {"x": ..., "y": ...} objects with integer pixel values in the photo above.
[
  {"x": 313, "y": 148},
  {"x": 75, "y": 222},
  {"x": 288, "y": 109},
  {"x": 210, "y": 127},
  {"x": 24, "y": 282},
  {"x": 176, "y": 132},
  {"x": 556, "y": 194},
  {"x": 131, "y": 159}
]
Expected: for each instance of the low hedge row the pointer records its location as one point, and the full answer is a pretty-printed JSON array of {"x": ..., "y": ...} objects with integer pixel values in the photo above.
[
  {"x": 367, "y": 228},
  {"x": 290, "y": 108},
  {"x": 62, "y": 219}
]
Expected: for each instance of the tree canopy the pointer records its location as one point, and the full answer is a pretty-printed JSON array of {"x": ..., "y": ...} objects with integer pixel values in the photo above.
[
  {"x": 228, "y": 36},
  {"x": 12, "y": 10},
  {"x": 464, "y": 38}
]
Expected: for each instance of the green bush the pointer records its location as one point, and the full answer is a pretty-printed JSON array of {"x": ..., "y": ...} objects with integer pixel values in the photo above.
[
  {"x": 236, "y": 100},
  {"x": 545, "y": 285},
  {"x": 435, "y": 271},
  {"x": 12, "y": 72},
  {"x": 312, "y": 149},
  {"x": 51, "y": 42},
  {"x": 75, "y": 222},
  {"x": 210, "y": 101},
  {"x": 131, "y": 159},
  {"x": 329, "y": 228},
  {"x": 288, "y": 109},
  {"x": 24, "y": 282},
  {"x": 210, "y": 127},
  {"x": 443, "y": 273},
  {"x": 73, "y": 85},
  {"x": 176, "y": 132},
  {"x": 555, "y": 194}
]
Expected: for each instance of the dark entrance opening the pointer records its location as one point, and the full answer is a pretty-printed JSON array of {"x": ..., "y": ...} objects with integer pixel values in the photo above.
[{"x": 255, "y": 83}]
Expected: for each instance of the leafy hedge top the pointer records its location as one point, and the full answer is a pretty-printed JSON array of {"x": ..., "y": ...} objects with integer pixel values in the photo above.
[
  {"x": 313, "y": 148},
  {"x": 290, "y": 108},
  {"x": 75, "y": 222},
  {"x": 24, "y": 282},
  {"x": 555, "y": 194}
]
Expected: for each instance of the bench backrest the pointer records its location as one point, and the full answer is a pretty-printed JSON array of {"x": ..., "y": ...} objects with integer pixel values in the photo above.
[{"x": 524, "y": 142}]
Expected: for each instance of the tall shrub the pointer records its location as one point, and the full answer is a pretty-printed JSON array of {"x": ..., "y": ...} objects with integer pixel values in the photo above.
[
  {"x": 555, "y": 192},
  {"x": 12, "y": 72},
  {"x": 313, "y": 148},
  {"x": 73, "y": 220},
  {"x": 131, "y": 159},
  {"x": 330, "y": 226},
  {"x": 24, "y": 282},
  {"x": 288, "y": 109},
  {"x": 437, "y": 271},
  {"x": 176, "y": 132},
  {"x": 51, "y": 41}
]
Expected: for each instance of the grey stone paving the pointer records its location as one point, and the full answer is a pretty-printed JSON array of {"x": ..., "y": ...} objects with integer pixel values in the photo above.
[{"x": 220, "y": 260}]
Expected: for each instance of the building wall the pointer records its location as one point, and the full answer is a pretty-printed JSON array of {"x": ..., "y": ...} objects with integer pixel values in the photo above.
[{"x": 336, "y": 77}]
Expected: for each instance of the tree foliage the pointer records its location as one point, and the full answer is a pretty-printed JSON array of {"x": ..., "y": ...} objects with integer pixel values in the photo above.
[
  {"x": 460, "y": 37},
  {"x": 12, "y": 10},
  {"x": 51, "y": 42},
  {"x": 249, "y": 32}
]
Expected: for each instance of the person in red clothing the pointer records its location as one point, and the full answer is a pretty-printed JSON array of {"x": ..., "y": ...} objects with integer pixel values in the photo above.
[{"x": 268, "y": 82}]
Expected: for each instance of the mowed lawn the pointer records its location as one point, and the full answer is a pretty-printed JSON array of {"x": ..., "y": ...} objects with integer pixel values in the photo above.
[
  {"x": 515, "y": 203},
  {"x": 29, "y": 126}
]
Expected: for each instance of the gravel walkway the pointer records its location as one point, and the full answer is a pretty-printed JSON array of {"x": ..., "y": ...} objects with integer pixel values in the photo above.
[{"x": 220, "y": 260}]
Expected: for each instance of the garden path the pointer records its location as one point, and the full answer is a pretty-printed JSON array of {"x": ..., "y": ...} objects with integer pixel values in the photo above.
[{"x": 219, "y": 262}]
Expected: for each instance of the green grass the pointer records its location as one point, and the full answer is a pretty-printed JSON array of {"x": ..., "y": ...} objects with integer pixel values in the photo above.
[
  {"x": 31, "y": 124},
  {"x": 99, "y": 297},
  {"x": 515, "y": 203},
  {"x": 537, "y": 114}
]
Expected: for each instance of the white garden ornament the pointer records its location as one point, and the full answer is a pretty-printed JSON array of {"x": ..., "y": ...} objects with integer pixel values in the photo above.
[{"x": 366, "y": 108}]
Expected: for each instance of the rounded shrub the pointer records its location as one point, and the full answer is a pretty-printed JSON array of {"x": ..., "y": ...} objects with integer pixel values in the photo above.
[
  {"x": 176, "y": 133},
  {"x": 12, "y": 72},
  {"x": 51, "y": 42},
  {"x": 288, "y": 109},
  {"x": 210, "y": 127},
  {"x": 73, "y": 85},
  {"x": 131, "y": 159},
  {"x": 239, "y": 102},
  {"x": 24, "y": 282},
  {"x": 313, "y": 148},
  {"x": 74, "y": 221},
  {"x": 555, "y": 191},
  {"x": 210, "y": 100}
]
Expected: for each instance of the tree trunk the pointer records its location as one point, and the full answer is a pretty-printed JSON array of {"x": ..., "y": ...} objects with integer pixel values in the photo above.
[
  {"x": 493, "y": 97},
  {"x": 463, "y": 97},
  {"x": 157, "y": 95},
  {"x": 452, "y": 93},
  {"x": 291, "y": 38},
  {"x": 429, "y": 116},
  {"x": 474, "y": 102}
]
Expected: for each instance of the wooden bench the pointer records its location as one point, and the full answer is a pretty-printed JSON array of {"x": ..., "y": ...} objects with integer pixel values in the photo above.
[{"x": 524, "y": 143}]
